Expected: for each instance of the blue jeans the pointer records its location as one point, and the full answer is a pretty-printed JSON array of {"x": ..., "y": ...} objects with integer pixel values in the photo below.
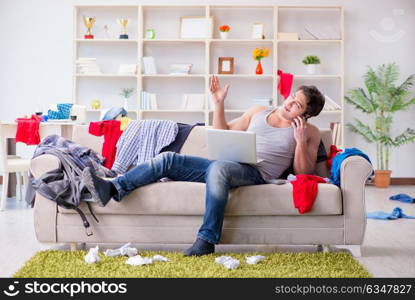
[{"x": 219, "y": 175}]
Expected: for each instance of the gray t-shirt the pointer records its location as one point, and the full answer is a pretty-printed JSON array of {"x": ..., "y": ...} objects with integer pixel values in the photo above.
[{"x": 276, "y": 146}]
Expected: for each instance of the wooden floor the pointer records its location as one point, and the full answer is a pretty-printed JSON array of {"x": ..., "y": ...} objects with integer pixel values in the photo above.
[{"x": 388, "y": 249}]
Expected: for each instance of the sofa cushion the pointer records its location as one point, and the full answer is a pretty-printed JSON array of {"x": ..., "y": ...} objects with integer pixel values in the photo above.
[{"x": 188, "y": 198}]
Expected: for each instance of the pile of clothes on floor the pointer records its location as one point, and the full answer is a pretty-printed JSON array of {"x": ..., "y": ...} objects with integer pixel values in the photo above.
[{"x": 397, "y": 212}]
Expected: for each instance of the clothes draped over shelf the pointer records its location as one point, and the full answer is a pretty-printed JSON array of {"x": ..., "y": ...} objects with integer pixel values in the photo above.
[
  {"x": 28, "y": 130},
  {"x": 111, "y": 130},
  {"x": 285, "y": 83}
]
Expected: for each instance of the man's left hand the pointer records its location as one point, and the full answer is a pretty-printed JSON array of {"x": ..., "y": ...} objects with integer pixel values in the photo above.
[{"x": 300, "y": 129}]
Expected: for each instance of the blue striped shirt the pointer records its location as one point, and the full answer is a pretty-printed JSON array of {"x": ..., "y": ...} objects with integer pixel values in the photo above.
[{"x": 141, "y": 141}]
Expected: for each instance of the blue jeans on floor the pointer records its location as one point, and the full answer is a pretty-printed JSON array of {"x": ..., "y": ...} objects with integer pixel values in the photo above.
[{"x": 219, "y": 175}]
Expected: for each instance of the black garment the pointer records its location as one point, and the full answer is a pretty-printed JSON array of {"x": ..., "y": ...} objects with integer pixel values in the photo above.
[
  {"x": 321, "y": 156},
  {"x": 182, "y": 134}
]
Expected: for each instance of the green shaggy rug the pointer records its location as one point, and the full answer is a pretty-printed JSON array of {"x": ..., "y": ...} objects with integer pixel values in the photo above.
[{"x": 63, "y": 264}]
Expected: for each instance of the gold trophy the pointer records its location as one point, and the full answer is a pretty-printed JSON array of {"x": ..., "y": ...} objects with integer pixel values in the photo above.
[
  {"x": 123, "y": 23},
  {"x": 89, "y": 23}
]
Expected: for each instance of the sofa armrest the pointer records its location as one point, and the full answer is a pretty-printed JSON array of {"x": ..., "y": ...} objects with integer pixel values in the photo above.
[
  {"x": 354, "y": 172},
  {"x": 45, "y": 211},
  {"x": 43, "y": 163}
]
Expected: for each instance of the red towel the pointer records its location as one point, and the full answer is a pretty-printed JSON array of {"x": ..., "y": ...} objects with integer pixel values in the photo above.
[
  {"x": 305, "y": 189},
  {"x": 111, "y": 131},
  {"x": 333, "y": 152},
  {"x": 285, "y": 83},
  {"x": 28, "y": 130}
]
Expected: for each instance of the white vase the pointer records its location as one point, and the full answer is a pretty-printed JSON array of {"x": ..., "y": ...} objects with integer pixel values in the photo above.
[
  {"x": 125, "y": 104},
  {"x": 223, "y": 35},
  {"x": 312, "y": 69}
]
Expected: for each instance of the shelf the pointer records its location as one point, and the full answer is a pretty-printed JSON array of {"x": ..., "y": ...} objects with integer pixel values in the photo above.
[
  {"x": 240, "y": 41},
  {"x": 317, "y": 76},
  {"x": 172, "y": 76},
  {"x": 232, "y": 111},
  {"x": 174, "y": 40},
  {"x": 172, "y": 111},
  {"x": 308, "y": 41},
  {"x": 168, "y": 48},
  {"x": 106, "y": 41},
  {"x": 99, "y": 110},
  {"x": 114, "y": 75},
  {"x": 336, "y": 111},
  {"x": 264, "y": 76},
  {"x": 308, "y": 7}
]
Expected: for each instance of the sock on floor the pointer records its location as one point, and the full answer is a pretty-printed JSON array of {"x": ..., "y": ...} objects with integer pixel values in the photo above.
[{"x": 403, "y": 198}]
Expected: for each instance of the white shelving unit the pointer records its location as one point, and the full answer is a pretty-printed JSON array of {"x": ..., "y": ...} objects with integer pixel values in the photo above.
[{"x": 168, "y": 48}]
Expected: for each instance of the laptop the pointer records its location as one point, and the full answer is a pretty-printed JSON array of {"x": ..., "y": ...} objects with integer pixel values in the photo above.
[{"x": 233, "y": 145}]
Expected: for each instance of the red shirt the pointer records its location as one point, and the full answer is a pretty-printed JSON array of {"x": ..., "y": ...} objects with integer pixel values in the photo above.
[
  {"x": 333, "y": 152},
  {"x": 285, "y": 83},
  {"x": 28, "y": 130},
  {"x": 305, "y": 189},
  {"x": 112, "y": 132}
]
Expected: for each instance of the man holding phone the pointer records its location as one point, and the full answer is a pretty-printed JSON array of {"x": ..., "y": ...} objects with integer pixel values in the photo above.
[{"x": 283, "y": 138}]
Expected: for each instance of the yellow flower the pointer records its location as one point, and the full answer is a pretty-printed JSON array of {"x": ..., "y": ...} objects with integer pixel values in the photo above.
[{"x": 260, "y": 53}]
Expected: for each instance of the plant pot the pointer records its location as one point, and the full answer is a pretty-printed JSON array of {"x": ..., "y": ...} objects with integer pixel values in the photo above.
[
  {"x": 311, "y": 69},
  {"x": 125, "y": 104},
  {"x": 258, "y": 69},
  {"x": 223, "y": 35},
  {"x": 382, "y": 178}
]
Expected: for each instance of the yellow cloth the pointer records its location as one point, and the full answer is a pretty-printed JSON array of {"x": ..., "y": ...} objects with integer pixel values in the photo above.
[{"x": 124, "y": 123}]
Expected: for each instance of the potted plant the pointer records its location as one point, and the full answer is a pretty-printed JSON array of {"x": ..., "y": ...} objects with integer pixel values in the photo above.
[
  {"x": 258, "y": 54},
  {"x": 311, "y": 62},
  {"x": 382, "y": 100},
  {"x": 126, "y": 93},
  {"x": 224, "y": 29}
]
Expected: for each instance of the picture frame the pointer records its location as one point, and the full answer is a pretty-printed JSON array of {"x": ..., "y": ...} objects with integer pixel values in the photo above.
[
  {"x": 258, "y": 31},
  {"x": 196, "y": 27},
  {"x": 150, "y": 34},
  {"x": 225, "y": 65}
]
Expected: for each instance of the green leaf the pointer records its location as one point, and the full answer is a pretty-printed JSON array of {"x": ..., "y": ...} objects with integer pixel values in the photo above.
[
  {"x": 359, "y": 98},
  {"x": 364, "y": 130}
]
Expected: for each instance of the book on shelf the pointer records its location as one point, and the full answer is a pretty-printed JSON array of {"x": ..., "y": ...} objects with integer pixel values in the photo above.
[
  {"x": 335, "y": 133},
  {"x": 149, "y": 65},
  {"x": 148, "y": 101},
  {"x": 87, "y": 65},
  {"x": 193, "y": 102},
  {"x": 330, "y": 104},
  {"x": 320, "y": 33},
  {"x": 262, "y": 101},
  {"x": 127, "y": 69},
  {"x": 180, "y": 69}
]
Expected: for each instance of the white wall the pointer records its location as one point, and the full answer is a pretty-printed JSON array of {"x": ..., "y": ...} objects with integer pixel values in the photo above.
[{"x": 36, "y": 55}]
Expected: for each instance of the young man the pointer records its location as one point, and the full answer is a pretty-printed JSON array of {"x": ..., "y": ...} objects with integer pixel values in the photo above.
[{"x": 283, "y": 138}]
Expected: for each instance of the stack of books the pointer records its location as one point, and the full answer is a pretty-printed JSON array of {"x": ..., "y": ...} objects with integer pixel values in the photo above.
[
  {"x": 88, "y": 66},
  {"x": 148, "y": 101},
  {"x": 330, "y": 104},
  {"x": 336, "y": 133},
  {"x": 127, "y": 69},
  {"x": 262, "y": 101},
  {"x": 180, "y": 69}
]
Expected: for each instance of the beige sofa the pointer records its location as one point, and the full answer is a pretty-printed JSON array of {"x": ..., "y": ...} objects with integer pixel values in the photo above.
[{"x": 171, "y": 212}]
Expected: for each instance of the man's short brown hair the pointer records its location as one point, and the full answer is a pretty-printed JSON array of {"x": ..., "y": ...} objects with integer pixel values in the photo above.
[{"x": 315, "y": 100}]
